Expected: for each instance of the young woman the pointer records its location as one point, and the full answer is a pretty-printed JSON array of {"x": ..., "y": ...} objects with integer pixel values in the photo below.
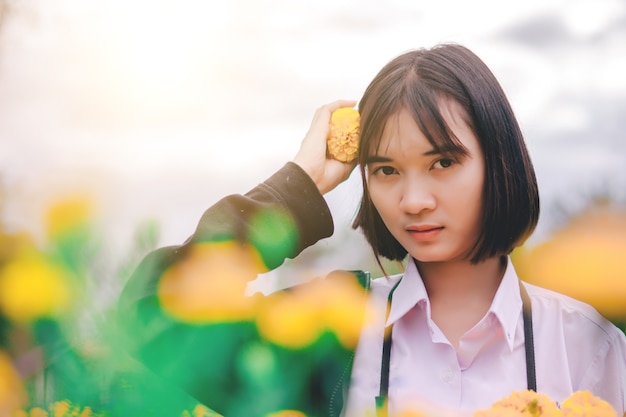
[{"x": 449, "y": 188}]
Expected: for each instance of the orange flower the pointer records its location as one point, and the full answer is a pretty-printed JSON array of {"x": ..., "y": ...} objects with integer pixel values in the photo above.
[
  {"x": 344, "y": 306},
  {"x": 524, "y": 403},
  {"x": 290, "y": 319},
  {"x": 209, "y": 284},
  {"x": 60, "y": 408},
  {"x": 343, "y": 137},
  {"x": 201, "y": 411},
  {"x": 296, "y": 318},
  {"x": 584, "y": 404},
  {"x": 87, "y": 412},
  {"x": 38, "y": 412},
  {"x": 582, "y": 260},
  {"x": 287, "y": 413}
]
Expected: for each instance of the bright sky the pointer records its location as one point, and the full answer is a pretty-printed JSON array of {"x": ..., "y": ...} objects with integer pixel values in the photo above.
[{"x": 162, "y": 107}]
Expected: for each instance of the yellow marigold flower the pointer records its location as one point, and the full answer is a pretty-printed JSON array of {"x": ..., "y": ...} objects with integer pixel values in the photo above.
[
  {"x": 12, "y": 394},
  {"x": 286, "y": 413},
  {"x": 526, "y": 403},
  {"x": 290, "y": 319},
  {"x": 344, "y": 134},
  {"x": 498, "y": 412},
  {"x": 585, "y": 404},
  {"x": 60, "y": 408},
  {"x": 297, "y": 318},
  {"x": 67, "y": 214},
  {"x": 33, "y": 287},
  {"x": 38, "y": 412},
  {"x": 343, "y": 302},
  {"x": 592, "y": 244},
  {"x": 209, "y": 284},
  {"x": 87, "y": 412},
  {"x": 201, "y": 411},
  {"x": 412, "y": 413}
]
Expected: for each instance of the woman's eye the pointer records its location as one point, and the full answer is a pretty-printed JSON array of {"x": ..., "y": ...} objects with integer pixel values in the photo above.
[
  {"x": 443, "y": 163},
  {"x": 385, "y": 170}
]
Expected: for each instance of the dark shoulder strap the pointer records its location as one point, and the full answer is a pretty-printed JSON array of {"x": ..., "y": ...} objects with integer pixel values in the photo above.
[
  {"x": 381, "y": 399},
  {"x": 527, "y": 315}
]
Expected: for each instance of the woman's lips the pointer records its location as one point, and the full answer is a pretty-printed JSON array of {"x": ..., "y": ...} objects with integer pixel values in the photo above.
[{"x": 424, "y": 233}]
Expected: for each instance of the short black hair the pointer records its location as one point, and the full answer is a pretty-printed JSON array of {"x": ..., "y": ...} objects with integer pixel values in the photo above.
[{"x": 418, "y": 81}]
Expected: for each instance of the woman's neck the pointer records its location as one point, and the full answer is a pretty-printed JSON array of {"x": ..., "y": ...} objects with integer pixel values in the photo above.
[
  {"x": 462, "y": 279},
  {"x": 460, "y": 293}
]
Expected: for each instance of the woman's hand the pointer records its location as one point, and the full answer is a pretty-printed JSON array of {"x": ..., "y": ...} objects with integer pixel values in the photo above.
[{"x": 327, "y": 173}]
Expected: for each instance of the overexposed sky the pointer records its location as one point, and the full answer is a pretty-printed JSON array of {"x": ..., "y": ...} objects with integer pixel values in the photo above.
[{"x": 160, "y": 107}]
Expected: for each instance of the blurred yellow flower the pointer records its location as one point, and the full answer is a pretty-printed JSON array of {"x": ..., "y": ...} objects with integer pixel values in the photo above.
[
  {"x": 584, "y": 260},
  {"x": 38, "y": 412},
  {"x": 32, "y": 287},
  {"x": 67, "y": 214},
  {"x": 344, "y": 306},
  {"x": 525, "y": 403},
  {"x": 12, "y": 394},
  {"x": 296, "y": 318},
  {"x": 201, "y": 411},
  {"x": 585, "y": 404},
  {"x": 60, "y": 408},
  {"x": 87, "y": 412},
  {"x": 531, "y": 404},
  {"x": 286, "y": 413},
  {"x": 344, "y": 134},
  {"x": 498, "y": 412},
  {"x": 290, "y": 319},
  {"x": 412, "y": 413},
  {"x": 209, "y": 284}
]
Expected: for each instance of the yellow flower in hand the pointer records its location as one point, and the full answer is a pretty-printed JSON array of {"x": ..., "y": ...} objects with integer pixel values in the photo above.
[{"x": 343, "y": 137}]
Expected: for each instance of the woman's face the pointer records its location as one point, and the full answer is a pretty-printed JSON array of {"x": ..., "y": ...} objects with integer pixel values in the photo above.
[{"x": 430, "y": 202}]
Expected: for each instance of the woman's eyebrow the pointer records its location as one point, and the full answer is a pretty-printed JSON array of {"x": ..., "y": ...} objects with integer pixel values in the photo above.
[
  {"x": 447, "y": 150},
  {"x": 373, "y": 159},
  {"x": 433, "y": 151}
]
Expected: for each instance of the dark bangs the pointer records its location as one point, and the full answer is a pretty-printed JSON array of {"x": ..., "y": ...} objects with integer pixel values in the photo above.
[{"x": 421, "y": 100}]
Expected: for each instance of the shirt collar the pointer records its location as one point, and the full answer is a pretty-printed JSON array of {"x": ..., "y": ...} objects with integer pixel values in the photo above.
[
  {"x": 408, "y": 293},
  {"x": 506, "y": 305}
]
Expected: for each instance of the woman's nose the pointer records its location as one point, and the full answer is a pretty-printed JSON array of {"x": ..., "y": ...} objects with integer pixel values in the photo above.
[{"x": 417, "y": 197}]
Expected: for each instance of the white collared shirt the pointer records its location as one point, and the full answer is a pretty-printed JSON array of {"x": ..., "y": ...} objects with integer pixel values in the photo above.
[{"x": 575, "y": 349}]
